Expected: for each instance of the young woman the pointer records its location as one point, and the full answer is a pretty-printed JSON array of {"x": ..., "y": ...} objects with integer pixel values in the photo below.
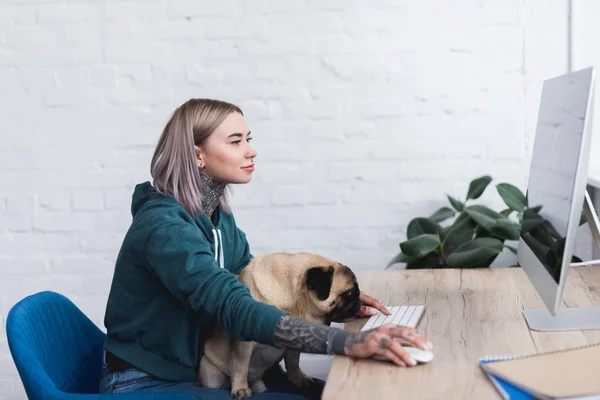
[{"x": 175, "y": 275}]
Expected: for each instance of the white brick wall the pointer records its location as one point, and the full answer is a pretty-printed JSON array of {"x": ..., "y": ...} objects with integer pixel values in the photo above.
[
  {"x": 585, "y": 52},
  {"x": 364, "y": 112}
]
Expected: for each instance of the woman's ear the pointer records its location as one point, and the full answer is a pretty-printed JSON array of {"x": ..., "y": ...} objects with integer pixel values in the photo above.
[{"x": 199, "y": 161}]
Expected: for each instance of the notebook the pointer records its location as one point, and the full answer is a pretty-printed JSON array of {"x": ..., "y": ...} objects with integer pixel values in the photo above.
[
  {"x": 564, "y": 374},
  {"x": 506, "y": 390}
]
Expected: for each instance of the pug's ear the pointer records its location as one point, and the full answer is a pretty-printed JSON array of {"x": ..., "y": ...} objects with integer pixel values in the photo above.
[{"x": 319, "y": 279}]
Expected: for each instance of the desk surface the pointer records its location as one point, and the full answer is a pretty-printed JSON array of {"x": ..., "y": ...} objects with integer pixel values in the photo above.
[{"x": 470, "y": 313}]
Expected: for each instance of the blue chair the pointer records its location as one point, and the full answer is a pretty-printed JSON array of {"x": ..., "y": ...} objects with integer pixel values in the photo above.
[{"x": 58, "y": 351}]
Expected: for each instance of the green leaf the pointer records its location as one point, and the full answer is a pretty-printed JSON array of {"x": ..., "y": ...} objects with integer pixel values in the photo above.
[
  {"x": 460, "y": 232},
  {"x": 430, "y": 261},
  {"x": 512, "y": 196},
  {"x": 483, "y": 215},
  {"x": 475, "y": 253},
  {"x": 506, "y": 212},
  {"x": 487, "y": 263},
  {"x": 400, "y": 258},
  {"x": 531, "y": 220},
  {"x": 494, "y": 222},
  {"x": 506, "y": 229},
  {"x": 485, "y": 242},
  {"x": 419, "y": 226},
  {"x": 420, "y": 245},
  {"x": 477, "y": 187},
  {"x": 541, "y": 235},
  {"x": 442, "y": 214},
  {"x": 484, "y": 233},
  {"x": 458, "y": 206}
]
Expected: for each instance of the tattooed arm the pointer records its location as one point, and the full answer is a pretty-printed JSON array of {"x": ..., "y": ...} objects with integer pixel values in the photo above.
[{"x": 299, "y": 334}]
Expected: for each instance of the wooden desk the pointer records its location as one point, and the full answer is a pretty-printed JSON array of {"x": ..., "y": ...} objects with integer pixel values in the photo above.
[{"x": 470, "y": 313}]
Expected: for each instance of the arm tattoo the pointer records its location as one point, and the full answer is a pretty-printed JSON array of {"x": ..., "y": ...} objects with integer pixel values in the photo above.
[
  {"x": 306, "y": 337},
  {"x": 356, "y": 338}
]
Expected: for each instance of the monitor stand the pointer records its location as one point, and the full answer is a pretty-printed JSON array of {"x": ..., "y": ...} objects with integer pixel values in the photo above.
[{"x": 570, "y": 319}]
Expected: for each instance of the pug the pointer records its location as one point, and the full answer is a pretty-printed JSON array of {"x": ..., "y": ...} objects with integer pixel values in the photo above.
[{"x": 305, "y": 285}]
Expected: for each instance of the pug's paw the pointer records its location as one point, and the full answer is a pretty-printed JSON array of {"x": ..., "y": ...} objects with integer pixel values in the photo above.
[
  {"x": 241, "y": 393},
  {"x": 259, "y": 386},
  {"x": 300, "y": 379}
]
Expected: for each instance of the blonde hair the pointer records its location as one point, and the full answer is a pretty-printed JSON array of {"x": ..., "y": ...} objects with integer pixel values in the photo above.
[{"x": 174, "y": 168}]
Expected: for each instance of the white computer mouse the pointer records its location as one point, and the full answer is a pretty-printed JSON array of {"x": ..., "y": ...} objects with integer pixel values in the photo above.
[{"x": 420, "y": 356}]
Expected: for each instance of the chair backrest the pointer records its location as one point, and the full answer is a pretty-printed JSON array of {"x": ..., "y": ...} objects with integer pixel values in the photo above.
[{"x": 55, "y": 347}]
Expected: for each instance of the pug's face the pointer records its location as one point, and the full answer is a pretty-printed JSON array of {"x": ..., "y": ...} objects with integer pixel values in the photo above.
[{"x": 333, "y": 290}]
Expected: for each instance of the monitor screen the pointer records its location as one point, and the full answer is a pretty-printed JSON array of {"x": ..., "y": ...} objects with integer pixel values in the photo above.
[{"x": 554, "y": 163}]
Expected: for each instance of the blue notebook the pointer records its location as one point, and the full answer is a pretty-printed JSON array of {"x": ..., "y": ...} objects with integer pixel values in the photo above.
[
  {"x": 506, "y": 390},
  {"x": 568, "y": 374}
]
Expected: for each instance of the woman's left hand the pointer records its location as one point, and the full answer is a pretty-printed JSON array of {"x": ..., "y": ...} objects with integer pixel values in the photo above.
[{"x": 370, "y": 306}]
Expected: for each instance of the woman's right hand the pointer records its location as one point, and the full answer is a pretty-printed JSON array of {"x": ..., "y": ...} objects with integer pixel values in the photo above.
[{"x": 383, "y": 341}]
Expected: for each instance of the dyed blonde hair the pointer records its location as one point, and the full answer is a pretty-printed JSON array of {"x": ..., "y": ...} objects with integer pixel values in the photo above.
[{"x": 174, "y": 168}]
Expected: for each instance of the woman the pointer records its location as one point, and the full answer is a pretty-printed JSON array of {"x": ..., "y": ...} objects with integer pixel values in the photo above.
[{"x": 175, "y": 275}]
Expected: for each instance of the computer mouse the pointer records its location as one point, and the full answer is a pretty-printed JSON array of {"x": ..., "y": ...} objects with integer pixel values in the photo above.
[{"x": 420, "y": 356}]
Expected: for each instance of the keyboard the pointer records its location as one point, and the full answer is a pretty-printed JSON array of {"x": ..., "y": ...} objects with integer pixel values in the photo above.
[{"x": 408, "y": 316}]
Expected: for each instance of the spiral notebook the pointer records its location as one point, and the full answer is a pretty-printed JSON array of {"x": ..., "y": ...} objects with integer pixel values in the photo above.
[
  {"x": 565, "y": 374},
  {"x": 506, "y": 390}
]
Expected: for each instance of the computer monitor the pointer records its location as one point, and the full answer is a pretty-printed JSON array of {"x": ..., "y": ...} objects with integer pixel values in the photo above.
[{"x": 557, "y": 182}]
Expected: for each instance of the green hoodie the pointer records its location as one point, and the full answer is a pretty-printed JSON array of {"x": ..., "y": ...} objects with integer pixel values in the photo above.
[{"x": 172, "y": 281}]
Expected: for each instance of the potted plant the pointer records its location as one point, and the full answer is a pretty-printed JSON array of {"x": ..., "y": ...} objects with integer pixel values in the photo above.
[{"x": 477, "y": 234}]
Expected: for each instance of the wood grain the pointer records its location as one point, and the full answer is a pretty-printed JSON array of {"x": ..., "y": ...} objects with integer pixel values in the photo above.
[{"x": 469, "y": 314}]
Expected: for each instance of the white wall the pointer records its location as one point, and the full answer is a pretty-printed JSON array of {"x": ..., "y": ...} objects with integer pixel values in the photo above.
[
  {"x": 585, "y": 52},
  {"x": 364, "y": 114}
]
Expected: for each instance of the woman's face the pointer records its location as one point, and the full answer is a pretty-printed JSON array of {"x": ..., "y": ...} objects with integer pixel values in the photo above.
[{"x": 227, "y": 155}]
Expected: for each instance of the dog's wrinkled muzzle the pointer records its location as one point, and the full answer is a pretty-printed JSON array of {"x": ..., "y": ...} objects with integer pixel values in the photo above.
[{"x": 346, "y": 313}]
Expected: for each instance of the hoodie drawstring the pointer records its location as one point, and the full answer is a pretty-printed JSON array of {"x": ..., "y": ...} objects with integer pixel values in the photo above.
[
  {"x": 222, "y": 256},
  {"x": 219, "y": 256}
]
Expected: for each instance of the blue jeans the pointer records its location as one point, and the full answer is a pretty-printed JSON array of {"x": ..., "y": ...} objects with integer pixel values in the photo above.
[{"x": 134, "y": 380}]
